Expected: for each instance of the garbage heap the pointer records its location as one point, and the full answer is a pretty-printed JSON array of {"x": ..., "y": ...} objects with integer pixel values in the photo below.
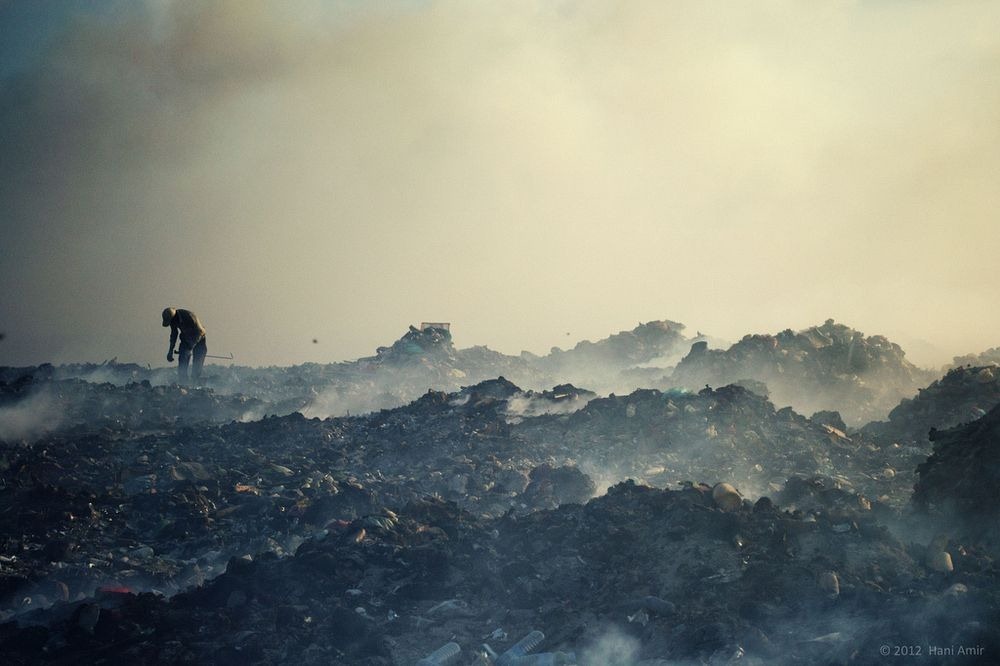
[
  {"x": 620, "y": 362},
  {"x": 162, "y": 504},
  {"x": 828, "y": 367},
  {"x": 959, "y": 481},
  {"x": 431, "y": 349},
  {"x": 638, "y": 576},
  {"x": 964, "y": 394},
  {"x": 465, "y": 516},
  {"x": 427, "y": 358},
  {"x": 162, "y": 508},
  {"x": 989, "y": 357},
  {"x": 730, "y": 433}
]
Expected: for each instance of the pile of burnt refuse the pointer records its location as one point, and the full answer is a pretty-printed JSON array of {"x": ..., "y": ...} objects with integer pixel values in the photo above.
[{"x": 492, "y": 519}]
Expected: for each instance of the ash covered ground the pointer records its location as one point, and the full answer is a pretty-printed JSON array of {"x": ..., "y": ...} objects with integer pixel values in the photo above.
[{"x": 804, "y": 497}]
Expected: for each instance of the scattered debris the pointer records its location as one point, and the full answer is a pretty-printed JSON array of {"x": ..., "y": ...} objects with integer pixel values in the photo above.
[{"x": 491, "y": 521}]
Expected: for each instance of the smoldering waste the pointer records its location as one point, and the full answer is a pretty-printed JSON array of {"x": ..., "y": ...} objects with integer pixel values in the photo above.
[
  {"x": 825, "y": 366},
  {"x": 159, "y": 524}
]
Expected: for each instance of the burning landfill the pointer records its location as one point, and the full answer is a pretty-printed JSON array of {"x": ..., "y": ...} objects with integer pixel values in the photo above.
[{"x": 805, "y": 497}]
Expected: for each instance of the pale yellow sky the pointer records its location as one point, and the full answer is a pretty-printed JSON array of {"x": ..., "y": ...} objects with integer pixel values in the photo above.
[{"x": 524, "y": 170}]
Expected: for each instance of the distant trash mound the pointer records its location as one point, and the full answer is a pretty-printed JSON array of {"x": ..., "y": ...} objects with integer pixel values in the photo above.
[
  {"x": 988, "y": 357},
  {"x": 964, "y": 394},
  {"x": 828, "y": 367}
]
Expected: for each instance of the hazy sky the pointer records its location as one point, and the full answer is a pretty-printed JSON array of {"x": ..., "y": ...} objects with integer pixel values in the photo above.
[{"x": 328, "y": 170}]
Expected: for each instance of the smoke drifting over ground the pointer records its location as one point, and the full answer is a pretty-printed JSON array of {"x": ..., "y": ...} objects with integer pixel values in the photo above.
[
  {"x": 29, "y": 417},
  {"x": 614, "y": 647},
  {"x": 307, "y": 170}
]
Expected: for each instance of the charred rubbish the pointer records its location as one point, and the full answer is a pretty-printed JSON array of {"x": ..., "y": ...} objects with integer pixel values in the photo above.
[
  {"x": 674, "y": 576},
  {"x": 166, "y": 524},
  {"x": 827, "y": 367}
]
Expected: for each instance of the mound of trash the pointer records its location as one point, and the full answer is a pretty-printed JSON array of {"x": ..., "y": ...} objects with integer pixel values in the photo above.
[
  {"x": 163, "y": 508},
  {"x": 730, "y": 433},
  {"x": 964, "y": 394},
  {"x": 989, "y": 357},
  {"x": 828, "y": 367},
  {"x": 635, "y": 576},
  {"x": 621, "y": 362},
  {"x": 431, "y": 351},
  {"x": 960, "y": 479},
  {"x": 489, "y": 523}
]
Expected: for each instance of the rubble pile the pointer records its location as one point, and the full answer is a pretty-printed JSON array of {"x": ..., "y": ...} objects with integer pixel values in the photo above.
[
  {"x": 964, "y": 394},
  {"x": 730, "y": 433},
  {"x": 562, "y": 399},
  {"x": 959, "y": 481},
  {"x": 634, "y": 576},
  {"x": 432, "y": 352},
  {"x": 620, "y": 362},
  {"x": 828, "y": 367},
  {"x": 154, "y": 511},
  {"x": 989, "y": 357},
  {"x": 427, "y": 358},
  {"x": 163, "y": 507},
  {"x": 147, "y": 522}
]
